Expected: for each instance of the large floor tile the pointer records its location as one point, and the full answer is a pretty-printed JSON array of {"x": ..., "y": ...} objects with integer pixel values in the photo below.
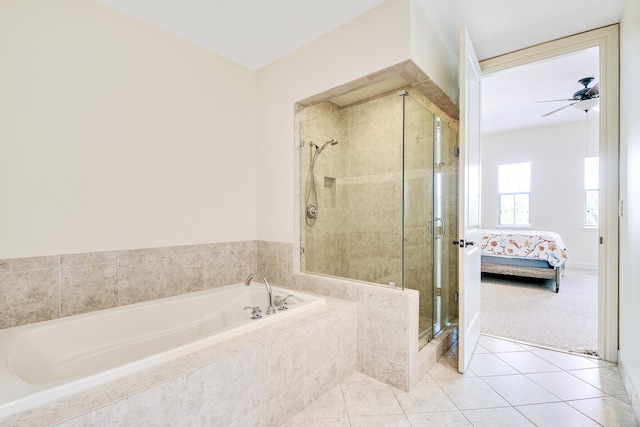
[
  {"x": 480, "y": 349},
  {"x": 565, "y": 386},
  {"x": 319, "y": 422},
  {"x": 556, "y": 415},
  {"x": 566, "y": 361},
  {"x": 519, "y": 390},
  {"x": 526, "y": 362},
  {"x": 440, "y": 419},
  {"x": 495, "y": 345},
  {"x": 426, "y": 396},
  {"x": 497, "y": 417},
  {"x": 606, "y": 379},
  {"x": 443, "y": 369},
  {"x": 329, "y": 405},
  {"x": 471, "y": 393},
  {"x": 607, "y": 411},
  {"x": 365, "y": 396},
  {"x": 489, "y": 364},
  {"x": 380, "y": 421}
]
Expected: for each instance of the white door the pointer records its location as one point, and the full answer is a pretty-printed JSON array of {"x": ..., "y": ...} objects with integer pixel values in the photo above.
[{"x": 469, "y": 216}]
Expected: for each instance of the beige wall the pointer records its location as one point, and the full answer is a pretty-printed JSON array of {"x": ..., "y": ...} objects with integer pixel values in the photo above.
[
  {"x": 629, "y": 355},
  {"x": 119, "y": 136},
  {"x": 116, "y": 135},
  {"x": 431, "y": 53}
]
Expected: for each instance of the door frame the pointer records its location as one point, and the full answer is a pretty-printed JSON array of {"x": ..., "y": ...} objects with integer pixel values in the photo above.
[{"x": 607, "y": 40}]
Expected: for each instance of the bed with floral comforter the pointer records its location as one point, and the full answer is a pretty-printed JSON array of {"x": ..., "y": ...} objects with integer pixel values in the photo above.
[{"x": 525, "y": 253}]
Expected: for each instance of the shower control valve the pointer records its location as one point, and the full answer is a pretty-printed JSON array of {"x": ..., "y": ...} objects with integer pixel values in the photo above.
[{"x": 312, "y": 211}]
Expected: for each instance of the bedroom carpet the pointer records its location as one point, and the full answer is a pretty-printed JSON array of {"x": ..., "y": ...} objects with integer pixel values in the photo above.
[{"x": 529, "y": 310}]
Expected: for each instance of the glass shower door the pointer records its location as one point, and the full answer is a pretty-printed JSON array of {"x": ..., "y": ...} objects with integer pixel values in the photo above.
[
  {"x": 429, "y": 216},
  {"x": 445, "y": 172},
  {"x": 418, "y": 214}
]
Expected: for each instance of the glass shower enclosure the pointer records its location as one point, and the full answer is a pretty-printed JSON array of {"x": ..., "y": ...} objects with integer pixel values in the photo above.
[{"x": 379, "y": 198}]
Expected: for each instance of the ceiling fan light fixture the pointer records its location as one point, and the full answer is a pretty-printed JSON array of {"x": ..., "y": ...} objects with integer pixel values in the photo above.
[
  {"x": 586, "y": 105},
  {"x": 583, "y": 99}
]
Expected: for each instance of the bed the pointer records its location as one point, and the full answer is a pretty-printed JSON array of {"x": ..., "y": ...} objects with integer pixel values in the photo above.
[{"x": 523, "y": 253}]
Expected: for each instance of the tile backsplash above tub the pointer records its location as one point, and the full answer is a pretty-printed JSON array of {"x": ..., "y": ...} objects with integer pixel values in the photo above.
[{"x": 43, "y": 288}]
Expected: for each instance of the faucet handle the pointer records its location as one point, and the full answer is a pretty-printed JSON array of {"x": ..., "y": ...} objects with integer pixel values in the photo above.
[
  {"x": 256, "y": 313},
  {"x": 281, "y": 302}
]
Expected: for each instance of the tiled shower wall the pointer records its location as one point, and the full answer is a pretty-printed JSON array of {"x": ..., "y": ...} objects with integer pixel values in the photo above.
[
  {"x": 358, "y": 232},
  {"x": 323, "y": 238},
  {"x": 371, "y": 188}
]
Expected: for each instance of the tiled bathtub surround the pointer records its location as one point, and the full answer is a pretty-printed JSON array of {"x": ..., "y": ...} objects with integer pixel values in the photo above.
[
  {"x": 44, "y": 288},
  {"x": 386, "y": 328},
  {"x": 262, "y": 378}
]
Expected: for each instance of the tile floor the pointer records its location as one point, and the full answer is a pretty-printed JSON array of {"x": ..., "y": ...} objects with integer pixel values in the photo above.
[{"x": 507, "y": 384}]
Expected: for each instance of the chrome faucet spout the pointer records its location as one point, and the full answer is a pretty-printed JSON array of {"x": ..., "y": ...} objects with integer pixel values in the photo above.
[{"x": 270, "y": 308}]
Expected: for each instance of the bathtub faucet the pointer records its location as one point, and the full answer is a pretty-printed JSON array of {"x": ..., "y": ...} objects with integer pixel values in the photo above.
[{"x": 270, "y": 309}]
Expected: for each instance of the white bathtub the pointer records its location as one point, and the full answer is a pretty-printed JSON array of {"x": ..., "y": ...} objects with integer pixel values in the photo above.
[{"x": 44, "y": 361}]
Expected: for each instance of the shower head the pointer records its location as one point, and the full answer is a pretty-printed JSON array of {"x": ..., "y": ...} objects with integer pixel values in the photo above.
[{"x": 331, "y": 141}]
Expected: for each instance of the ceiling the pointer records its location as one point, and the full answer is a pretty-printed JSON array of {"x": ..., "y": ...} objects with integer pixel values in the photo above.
[
  {"x": 252, "y": 33},
  {"x": 255, "y": 33},
  {"x": 511, "y": 99}
]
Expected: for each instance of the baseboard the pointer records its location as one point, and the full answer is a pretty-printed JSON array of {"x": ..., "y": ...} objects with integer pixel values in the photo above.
[{"x": 634, "y": 398}]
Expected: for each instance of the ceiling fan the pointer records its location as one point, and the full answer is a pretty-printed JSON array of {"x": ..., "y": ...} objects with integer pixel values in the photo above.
[{"x": 583, "y": 99}]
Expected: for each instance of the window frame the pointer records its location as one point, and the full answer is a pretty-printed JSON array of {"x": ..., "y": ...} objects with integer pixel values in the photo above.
[{"x": 514, "y": 194}]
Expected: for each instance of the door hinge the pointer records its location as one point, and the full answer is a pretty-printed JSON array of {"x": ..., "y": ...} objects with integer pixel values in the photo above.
[
  {"x": 620, "y": 208},
  {"x": 455, "y": 297}
]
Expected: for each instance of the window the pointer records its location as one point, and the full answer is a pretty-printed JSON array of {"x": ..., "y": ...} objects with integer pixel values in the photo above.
[
  {"x": 591, "y": 192},
  {"x": 514, "y": 182}
]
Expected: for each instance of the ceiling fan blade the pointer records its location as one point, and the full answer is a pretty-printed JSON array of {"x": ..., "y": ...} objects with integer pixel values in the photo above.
[
  {"x": 595, "y": 90},
  {"x": 555, "y": 100},
  {"x": 561, "y": 108}
]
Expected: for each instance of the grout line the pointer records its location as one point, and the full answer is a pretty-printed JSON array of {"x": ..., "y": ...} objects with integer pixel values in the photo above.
[{"x": 59, "y": 286}]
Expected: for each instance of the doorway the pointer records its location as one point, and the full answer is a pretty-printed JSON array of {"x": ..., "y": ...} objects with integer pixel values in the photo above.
[
  {"x": 605, "y": 40},
  {"x": 536, "y": 140}
]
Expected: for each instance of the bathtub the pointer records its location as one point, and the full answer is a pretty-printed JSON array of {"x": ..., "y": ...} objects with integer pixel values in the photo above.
[{"x": 44, "y": 361}]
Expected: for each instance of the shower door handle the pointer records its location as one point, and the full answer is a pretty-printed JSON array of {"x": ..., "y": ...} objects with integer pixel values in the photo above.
[
  {"x": 431, "y": 227},
  {"x": 440, "y": 234}
]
